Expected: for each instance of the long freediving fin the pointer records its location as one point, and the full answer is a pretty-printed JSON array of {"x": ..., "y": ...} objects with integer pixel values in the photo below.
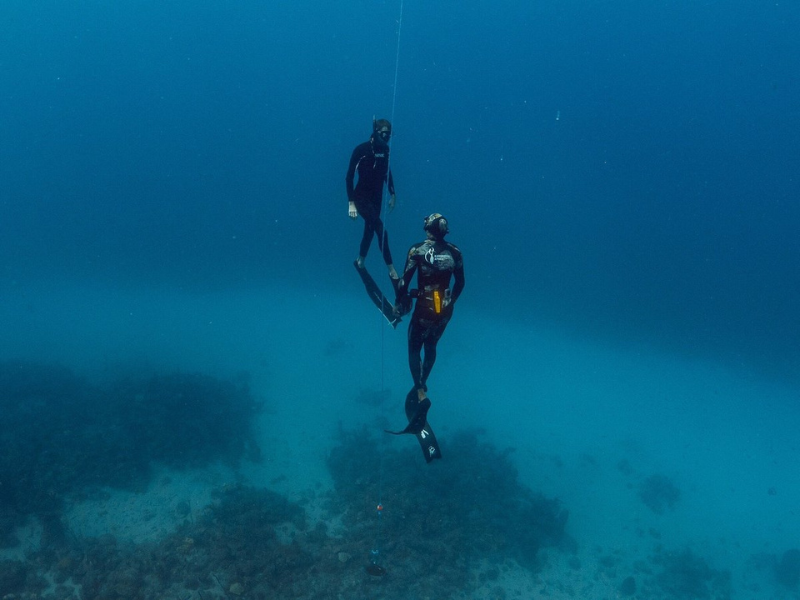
[
  {"x": 376, "y": 295},
  {"x": 417, "y": 422}
]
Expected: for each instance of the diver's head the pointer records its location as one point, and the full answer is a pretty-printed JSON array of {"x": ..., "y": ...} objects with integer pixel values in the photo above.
[
  {"x": 382, "y": 130},
  {"x": 435, "y": 226}
]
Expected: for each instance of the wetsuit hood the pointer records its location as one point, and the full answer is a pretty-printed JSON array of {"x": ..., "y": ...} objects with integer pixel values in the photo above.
[{"x": 436, "y": 225}]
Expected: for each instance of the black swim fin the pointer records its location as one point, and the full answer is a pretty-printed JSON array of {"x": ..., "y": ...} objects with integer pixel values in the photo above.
[
  {"x": 417, "y": 422},
  {"x": 376, "y": 295}
]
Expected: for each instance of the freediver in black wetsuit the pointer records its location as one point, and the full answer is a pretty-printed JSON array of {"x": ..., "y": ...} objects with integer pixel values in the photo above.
[
  {"x": 435, "y": 261},
  {"x": 371, "y": 161}
]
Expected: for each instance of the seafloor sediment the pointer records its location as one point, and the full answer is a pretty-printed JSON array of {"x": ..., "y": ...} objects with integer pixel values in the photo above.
[{"x": 455, "y": 529}]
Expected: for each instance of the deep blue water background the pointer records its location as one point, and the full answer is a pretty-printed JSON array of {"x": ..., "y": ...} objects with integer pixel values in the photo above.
[{"x": 203, "y": 145}]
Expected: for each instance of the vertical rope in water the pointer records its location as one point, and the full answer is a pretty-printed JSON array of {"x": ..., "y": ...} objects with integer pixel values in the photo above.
[
  {"x": 379, "y": 508},
  {"x": 397, "y": 62},
  {"x": 391, "y": 120},
  {"x": 389, "y": 162}
]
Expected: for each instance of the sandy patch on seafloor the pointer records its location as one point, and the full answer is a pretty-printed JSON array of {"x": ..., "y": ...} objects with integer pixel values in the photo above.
[{"x": 171, "y": 498}]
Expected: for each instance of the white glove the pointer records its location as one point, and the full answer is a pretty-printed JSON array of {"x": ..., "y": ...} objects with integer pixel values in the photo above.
[{"x": 351, "y": 211}]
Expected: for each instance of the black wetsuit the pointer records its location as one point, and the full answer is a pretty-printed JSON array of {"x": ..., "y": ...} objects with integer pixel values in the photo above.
[
  {"x": 371, "y": 161},
  {"x": 435, "y": 262}
]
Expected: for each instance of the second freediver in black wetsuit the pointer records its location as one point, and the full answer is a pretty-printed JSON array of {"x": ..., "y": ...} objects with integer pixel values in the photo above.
[
  {"x": 370, "y": 161},
  {"x": 435, "y": 262}
]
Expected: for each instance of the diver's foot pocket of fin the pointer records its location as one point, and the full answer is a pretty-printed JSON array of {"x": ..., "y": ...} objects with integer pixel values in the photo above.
[{"x": 417, "y": 421}]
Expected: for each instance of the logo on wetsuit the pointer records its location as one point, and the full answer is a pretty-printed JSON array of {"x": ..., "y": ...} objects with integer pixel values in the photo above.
[{"x": 442, "y": 261}]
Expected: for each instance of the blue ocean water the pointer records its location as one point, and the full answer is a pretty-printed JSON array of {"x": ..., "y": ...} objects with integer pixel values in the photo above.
[
  {"x": 625, "y": 169},
  {"x": 623, "y": 173}
]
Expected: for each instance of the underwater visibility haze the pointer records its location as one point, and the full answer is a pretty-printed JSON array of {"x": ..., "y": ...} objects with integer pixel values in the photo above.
[{"x": 176, "y": 270}]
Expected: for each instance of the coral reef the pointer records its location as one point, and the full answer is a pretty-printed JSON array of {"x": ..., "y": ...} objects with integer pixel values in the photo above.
[
  {"x": 627, "y": 587},
  {"x": 62, "y": 435},
  {"x": 686, "y": 576},
  {"x": 235, "y": 549},
  {"x": 444, "y": 532},
  {"x": 440, "y": 523},
  {"x": 453, "y": 529},
  {"x": 659, "y": 493},
  {"x": 787, "y": 569},
  {"x": 12, "y": 577}
]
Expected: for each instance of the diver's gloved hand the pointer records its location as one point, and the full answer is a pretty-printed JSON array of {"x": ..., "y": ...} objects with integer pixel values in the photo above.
[
  {"x": 447, "y": 300},
  {"x": 392, "y": 202},
  {"x": 351, "y": 210},
  {"x": 402, "y": 305}
]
